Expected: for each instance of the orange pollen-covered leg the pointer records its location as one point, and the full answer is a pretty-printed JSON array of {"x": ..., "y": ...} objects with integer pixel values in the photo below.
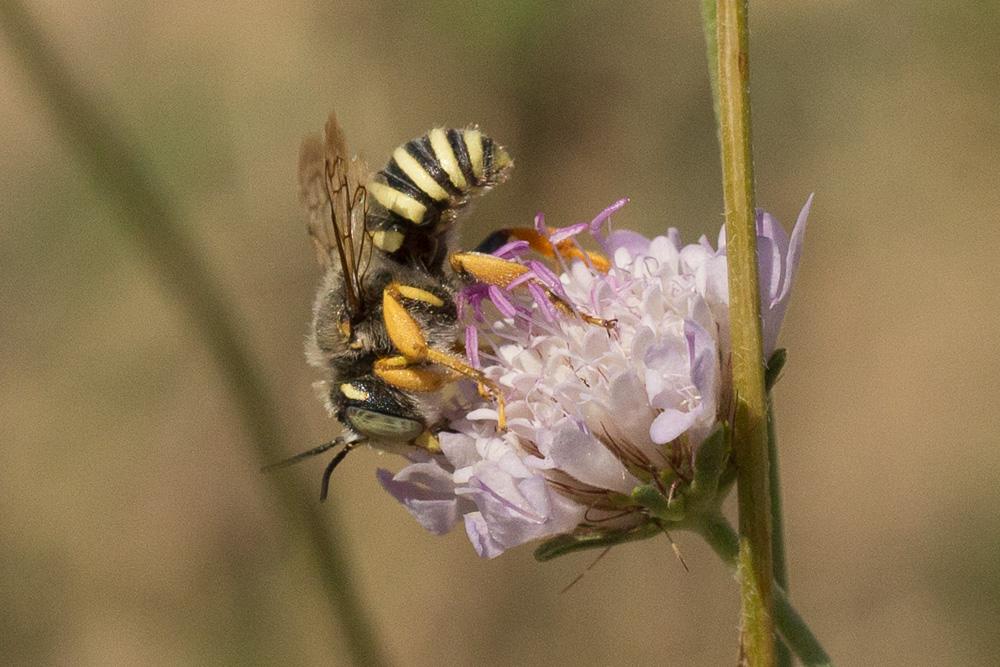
[
  {"x": 409, "y": 339},
  {"x": 398, "y": 372},
  {"x": 489, "y": 269},
  {"x": 403, "y": 329},
  {"x": 500, "y": 272},
  {"x": 483, "y": 383}
]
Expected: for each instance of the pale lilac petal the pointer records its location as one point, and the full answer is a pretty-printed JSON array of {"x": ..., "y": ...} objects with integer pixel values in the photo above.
[
  {"x": 597, "y": 222},
  {"x": 705, "y": 374},
  {"x": 772, "y": 248},
  {"x": 427, "y": 492},
  {"x": 520, "y": 280},
  {"x": 667, "y": 372},
  {"x": 693, "y": 257},
  {"x": 769, "y": 268},
  {"x": 458, "y": 448},
  {"x": 502, "y": 303},
  {"x": 629, "y": 416},
  {"x": 547, "y": 277},
  {"x": 666, "y": 251},
  {"x": 633, "y": 242},
  {"x": 712, "y": 282},
  {"x": 563, "y": 233},
  {"x": 472, "y": 345},
  {"x": 521, "y": 511},
  {"x": 795, "y": 248},
  {"x": 479, "y": 535},
  {"x": 482, "y": 414},
  {"x": 473, "y": 295},
  {"x": 704, "y": 357},
  {"x": 499, "y": 494},
  {"x": 542, "y": 300},
  {"x": 775, "y": 314},
  {"x": 669, "y": 424},
  {"x": 540, "y": 224},
  {"x": 512, "y": 249},
  {"x": 584, "y": 457}
]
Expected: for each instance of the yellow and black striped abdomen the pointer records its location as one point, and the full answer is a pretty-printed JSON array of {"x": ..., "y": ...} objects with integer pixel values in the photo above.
[{"x": 435, "y": 173}]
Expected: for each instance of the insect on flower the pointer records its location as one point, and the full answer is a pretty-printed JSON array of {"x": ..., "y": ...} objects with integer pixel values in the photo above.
[{"x": 385, "y": 325}]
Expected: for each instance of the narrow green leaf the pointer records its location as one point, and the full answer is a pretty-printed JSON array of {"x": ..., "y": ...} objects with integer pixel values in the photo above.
[
  {"x": 580, "y": 541},
  {"x": 774, "y": 365},
  {"x": 710, "y": 462}
]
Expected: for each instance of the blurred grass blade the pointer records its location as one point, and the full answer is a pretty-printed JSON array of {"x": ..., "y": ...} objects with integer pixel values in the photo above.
[
  {"x": 147, "y": 214},
  {"x": 709, "y": 15}
]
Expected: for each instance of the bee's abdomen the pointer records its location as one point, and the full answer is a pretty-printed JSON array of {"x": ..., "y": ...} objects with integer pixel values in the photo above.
[{"x": 437, "y": 172}]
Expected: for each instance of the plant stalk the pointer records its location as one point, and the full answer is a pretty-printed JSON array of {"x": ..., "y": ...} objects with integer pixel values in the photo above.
[{"x": 750, "y": 426}]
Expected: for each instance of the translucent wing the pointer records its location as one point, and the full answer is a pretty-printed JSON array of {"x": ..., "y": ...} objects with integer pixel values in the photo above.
[{"x": 331, "y": 186}]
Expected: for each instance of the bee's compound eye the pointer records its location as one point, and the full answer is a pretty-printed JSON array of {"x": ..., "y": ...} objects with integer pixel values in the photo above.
[{"x": 379, "y": 425}]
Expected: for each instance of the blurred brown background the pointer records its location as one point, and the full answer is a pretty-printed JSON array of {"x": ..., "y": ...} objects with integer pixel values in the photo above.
[{"x": 136, "y": 528}]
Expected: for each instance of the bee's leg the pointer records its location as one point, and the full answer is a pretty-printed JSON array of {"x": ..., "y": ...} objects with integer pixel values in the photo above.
[
  {"x": 543, "y": 246},
  {"x": 409, "y": 339},
  {"x": 500, "y": 272},
  {"x": 401, "y": 373}
]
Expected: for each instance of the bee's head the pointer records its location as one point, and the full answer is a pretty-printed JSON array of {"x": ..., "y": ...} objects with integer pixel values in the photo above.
[{"x": 373, "y": 409}]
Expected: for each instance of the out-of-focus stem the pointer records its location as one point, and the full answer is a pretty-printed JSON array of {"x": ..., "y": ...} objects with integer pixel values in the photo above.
[
  {"x": 708, "y": 25},
  {"x": 146, "y": 213},
  {"x": 750, "y": 427}
]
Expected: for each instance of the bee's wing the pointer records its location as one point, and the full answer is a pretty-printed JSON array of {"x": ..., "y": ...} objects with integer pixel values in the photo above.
[
  {"x": 331, "y": 186},
  {"x": 314, "y": 195}
]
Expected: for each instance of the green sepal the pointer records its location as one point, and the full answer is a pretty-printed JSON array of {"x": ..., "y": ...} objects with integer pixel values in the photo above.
[
  {"x": 710, "y": 463},
  {"x": 593, "y": 539},
  {"x": 772, "y": 371},
  {"x": 620, "y": 500},
  {"x": 653, "y": 499},
  {"x": 726, "y": 482}
]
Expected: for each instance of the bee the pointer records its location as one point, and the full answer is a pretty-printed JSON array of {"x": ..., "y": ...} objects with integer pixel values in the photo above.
[{"x": 385, "y": 319}]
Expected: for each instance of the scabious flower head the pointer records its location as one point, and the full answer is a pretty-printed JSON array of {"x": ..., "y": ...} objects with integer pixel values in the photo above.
[{"x": 593, "y": 412}]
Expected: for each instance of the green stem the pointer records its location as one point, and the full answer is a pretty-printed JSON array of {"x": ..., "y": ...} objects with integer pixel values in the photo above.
[
  {"x": 146, "y": 213},
  {"x": 750, "y": 428},
  {"x": 715, "y": 529},
  {"x": 778, "y": 560},
  {"x": 777, "y": 513}
]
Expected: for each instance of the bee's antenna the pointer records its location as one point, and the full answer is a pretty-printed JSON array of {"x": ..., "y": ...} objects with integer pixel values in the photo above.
[
  {"x": 349, "y": 442},
  {"x": 341, "y": 455},
  {"x": 291, "y": 460}
]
